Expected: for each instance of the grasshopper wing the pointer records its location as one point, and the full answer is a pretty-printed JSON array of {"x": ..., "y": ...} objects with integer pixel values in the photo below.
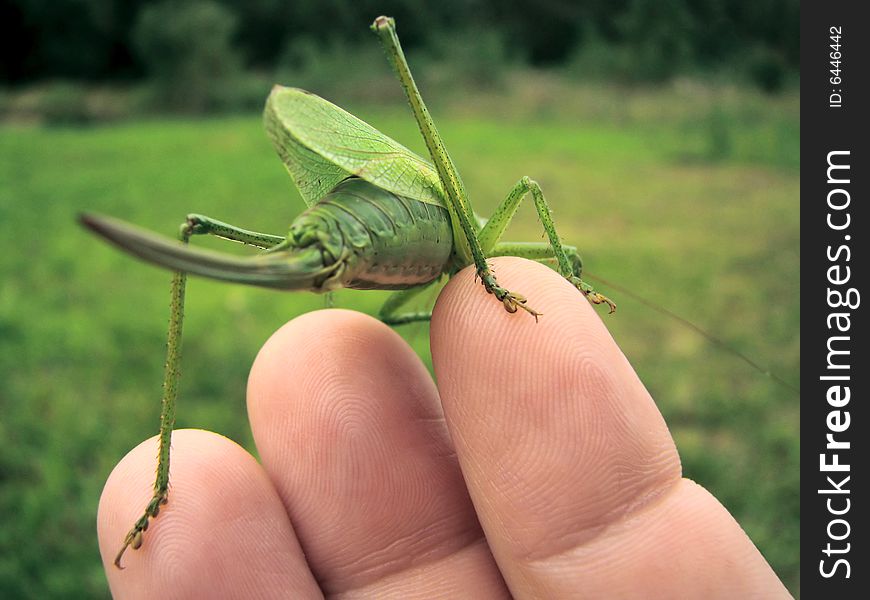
[{"x": 322, "y": 144}]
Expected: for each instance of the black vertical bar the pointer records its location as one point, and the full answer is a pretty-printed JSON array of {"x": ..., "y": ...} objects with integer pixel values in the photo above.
[{"x": 834, "y": 227}]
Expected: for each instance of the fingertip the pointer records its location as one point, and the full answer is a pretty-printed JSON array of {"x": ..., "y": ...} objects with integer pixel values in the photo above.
[
  {"x": 347, "y": 423},
  {"x": 223, "y": 528},
  {"x": 311, "y": 357},
  {"x": 552, "y": 426},
  {"x": 464, "y": 301},
  {"x": 316, "y": 338}
]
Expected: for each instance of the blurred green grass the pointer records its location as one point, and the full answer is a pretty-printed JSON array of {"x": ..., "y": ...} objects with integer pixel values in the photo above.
[{"x": 686, "y": 194}]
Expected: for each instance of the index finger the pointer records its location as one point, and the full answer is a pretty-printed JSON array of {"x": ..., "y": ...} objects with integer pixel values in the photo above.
[{"x": 572, "y": 470}]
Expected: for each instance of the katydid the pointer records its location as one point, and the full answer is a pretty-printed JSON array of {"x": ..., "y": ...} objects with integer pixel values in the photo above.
[{"x": 379, "y": 217}]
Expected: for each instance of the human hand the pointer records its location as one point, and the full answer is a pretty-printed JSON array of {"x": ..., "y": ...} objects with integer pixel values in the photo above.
[{"x": 548, "y": 473}]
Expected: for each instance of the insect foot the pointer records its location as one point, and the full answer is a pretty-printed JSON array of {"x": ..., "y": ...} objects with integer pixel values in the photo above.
[
  {"x": 593, "y": 296},
  {"x": 510, "y": 300},
  {"x": 513, "y": 301},
  {"x": 135, "y": 535}
]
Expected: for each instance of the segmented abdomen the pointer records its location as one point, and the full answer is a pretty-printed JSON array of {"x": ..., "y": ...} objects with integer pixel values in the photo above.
[{"x": 381, "y": 240}]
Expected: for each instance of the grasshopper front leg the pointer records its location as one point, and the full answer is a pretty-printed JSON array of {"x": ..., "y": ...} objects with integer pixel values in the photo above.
[{"x": 461, "y": 213}]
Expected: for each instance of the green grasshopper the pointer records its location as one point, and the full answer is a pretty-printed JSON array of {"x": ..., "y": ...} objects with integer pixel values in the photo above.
[{"x": 379, "y": 217}]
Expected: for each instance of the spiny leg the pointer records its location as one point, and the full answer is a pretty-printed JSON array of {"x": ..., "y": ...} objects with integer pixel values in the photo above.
[
  {"x": 202, "y": 225},
  {"x": 193, "y": 225},
  {"x": 542, "y": 252},
  {"x": 458, "y": 204},
  {"x": 504, "y": 214},
  {"x": 496, "y": 225},
  {"x": 171, "y": 375}
]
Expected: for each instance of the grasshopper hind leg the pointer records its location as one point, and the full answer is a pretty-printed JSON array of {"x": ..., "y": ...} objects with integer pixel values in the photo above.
[
  {"x": 171, "y": 376},
  {"x": 202, "y": 225},
  {"x": 458, "y": 203},
  {"x": 193, "y": 225}
]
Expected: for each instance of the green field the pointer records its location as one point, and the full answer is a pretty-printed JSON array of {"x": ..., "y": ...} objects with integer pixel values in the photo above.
[{"x": 687, "y": 195}]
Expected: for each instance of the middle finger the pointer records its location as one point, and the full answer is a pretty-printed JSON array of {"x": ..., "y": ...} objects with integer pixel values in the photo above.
[{"x": 349, "y": 428}]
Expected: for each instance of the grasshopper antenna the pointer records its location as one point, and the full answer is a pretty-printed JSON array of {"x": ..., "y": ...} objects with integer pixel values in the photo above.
[{"x": 697, "y": 329}]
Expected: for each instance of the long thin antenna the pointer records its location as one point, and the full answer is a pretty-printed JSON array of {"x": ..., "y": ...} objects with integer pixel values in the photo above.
[{"x": 700, "y": 331}]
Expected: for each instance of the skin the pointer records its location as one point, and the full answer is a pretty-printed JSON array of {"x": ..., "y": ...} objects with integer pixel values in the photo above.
[{"x": 545, "y": 470}]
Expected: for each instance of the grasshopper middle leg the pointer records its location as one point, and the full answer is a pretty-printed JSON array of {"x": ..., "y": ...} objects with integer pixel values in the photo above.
[
  {"x": 390, "y": 315},
  {"x": 542, "y": 252},
  {"x": 568, "y": 263}
]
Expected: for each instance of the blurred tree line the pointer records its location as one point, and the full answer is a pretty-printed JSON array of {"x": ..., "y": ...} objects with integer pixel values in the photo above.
[{"x": 102, "y": 40}]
